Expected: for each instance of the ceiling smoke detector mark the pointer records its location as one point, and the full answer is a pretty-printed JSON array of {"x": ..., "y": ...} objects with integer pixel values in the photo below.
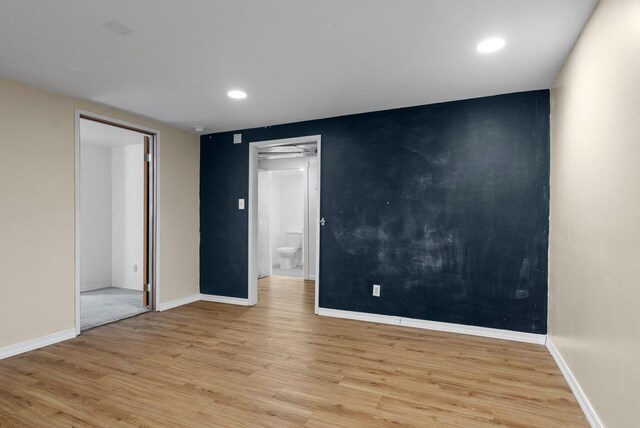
[{"x": 118, "y": 27}]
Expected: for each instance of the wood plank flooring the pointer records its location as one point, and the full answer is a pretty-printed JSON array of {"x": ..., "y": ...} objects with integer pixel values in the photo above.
[{"x": 275, "y": 365}]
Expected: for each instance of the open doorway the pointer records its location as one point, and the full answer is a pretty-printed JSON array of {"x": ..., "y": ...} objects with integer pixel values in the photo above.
[
  {"x": 282, "y": 203},
  {"x": 284, "y": 190},
  {"x": 115, "y": 221}
]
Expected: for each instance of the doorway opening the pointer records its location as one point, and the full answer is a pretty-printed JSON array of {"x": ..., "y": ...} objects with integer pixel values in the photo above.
[
  {"x": 282, "y": 203},
  {"x": 284, "y": 210},
  {"x": 116, "y": 222}
]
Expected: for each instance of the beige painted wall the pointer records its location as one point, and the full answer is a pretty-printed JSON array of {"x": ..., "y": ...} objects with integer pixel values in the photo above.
[
  {"x": 594, "y": 275},
  {"x": 37, "y": 289}
]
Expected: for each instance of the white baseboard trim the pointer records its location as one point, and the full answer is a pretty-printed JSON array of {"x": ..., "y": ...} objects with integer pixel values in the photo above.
[
  {"x": 136, "y": 287},
  {"x": 359, "y": 316},
  {"x": 39, "y": 342},
  {"x": 581, "y": 398},
  {"x": 224, "y": 299},
  {"x": 178, "y": 302},
  {"x": 312, "y": 277},
  {"x": 94, "y": 287},
  {"x": 493, "y": 333}
]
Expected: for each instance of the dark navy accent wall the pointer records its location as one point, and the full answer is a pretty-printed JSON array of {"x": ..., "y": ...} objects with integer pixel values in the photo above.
[
  {"x": 224, "y": 234},
  {"x": 446, "y": 206}
]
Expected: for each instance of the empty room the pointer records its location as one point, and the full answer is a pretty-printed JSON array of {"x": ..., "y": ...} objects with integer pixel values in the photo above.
[{"x": 319, "y": 213}]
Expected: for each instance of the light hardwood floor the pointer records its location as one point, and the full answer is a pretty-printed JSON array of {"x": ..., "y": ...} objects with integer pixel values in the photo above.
[{"x": 276, "y": 364}]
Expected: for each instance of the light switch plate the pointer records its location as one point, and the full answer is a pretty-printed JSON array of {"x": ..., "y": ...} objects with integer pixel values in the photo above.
[
  {"x": 240, "y": 204},
  {"x": 237, "y": 138}
]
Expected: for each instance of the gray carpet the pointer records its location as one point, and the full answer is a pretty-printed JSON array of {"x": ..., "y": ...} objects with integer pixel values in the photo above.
[{"x": 109, "y": 304}]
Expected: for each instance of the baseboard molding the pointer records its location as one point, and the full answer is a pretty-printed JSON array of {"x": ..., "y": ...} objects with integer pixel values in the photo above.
[
  {"x": 581, "y": 398},
  {"x": 30, "y": 345},
  {"x": 312, "y": 277},
  {"x": 178, "y": 302},
  {"x": 95, "y": 287},
  {"x": 493, "y": 333},
  {"x": 359, "y": 316},
  {"x": 136, "y": 287},
  {"x": 224, "y": 299}
]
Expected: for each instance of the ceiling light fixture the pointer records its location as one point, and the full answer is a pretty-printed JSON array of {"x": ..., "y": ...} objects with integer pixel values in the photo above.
[
  {"x": 492, "y": 44},
  {"x": 198, "y": 128},
  {"x": 237, "y": 94}
]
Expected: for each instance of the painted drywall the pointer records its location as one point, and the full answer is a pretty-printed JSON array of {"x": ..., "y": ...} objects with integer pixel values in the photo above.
[
  {"x": 95, "y": 217},
  {"x": 37, "y": 290},
  {"x": 274, "y": 210},
  {"x": 312, "y": 174},
  {"x": 445, "y": 206},
  {"x": 264, "y": 224},
  {"x": 111, "y": 216},
  {"x": 224, "y": 234},
  {"x": 286, "y": 207},
  {"x": 594, "y": 320},
  {"x": 127, "y": 171}
]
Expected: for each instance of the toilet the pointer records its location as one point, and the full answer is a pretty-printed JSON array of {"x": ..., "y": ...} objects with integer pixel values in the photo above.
[{"x": 291, "y": 250}]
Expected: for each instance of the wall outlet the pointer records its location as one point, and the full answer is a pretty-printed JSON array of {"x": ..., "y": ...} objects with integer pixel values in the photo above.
[
  {"x": 240, "y": 204},
  {"x": 376, "y": 290},
  {"x": 237, "y": 138},
  {"x": 135, "y": 268}
]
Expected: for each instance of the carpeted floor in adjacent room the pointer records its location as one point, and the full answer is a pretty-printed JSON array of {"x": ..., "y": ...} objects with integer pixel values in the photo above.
[{"x": 108, "y": 304}]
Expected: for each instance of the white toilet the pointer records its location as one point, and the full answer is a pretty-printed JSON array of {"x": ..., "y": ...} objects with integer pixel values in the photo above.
[{"x": 291, "y": 250}]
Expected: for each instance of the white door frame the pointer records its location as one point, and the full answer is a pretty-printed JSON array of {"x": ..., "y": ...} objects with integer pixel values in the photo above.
[
  {"x": 305, "y": 223},
  {"x": 154, "y": 204},
  {"x": 253, "y": 213}
]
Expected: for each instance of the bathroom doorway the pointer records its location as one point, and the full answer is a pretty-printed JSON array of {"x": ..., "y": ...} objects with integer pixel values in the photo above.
[
  {"x": 282, "y": 205},
  {"x": 284, "y": 196}
]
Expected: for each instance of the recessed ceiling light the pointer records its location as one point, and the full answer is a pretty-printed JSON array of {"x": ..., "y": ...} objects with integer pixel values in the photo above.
[
  {"x": 237, "y": 94},
  {"x": 491, "y": 44}
]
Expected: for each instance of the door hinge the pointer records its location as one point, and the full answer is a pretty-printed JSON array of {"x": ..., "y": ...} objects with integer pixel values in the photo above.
[
  {"x": 147, "y": 157},
  {"x": 147, "y": 288}
]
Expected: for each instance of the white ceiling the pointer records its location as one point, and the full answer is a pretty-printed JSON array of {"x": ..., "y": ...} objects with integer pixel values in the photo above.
[
  {"x": 98, "y": 134},
  {"x": 297, "y": 59}
]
